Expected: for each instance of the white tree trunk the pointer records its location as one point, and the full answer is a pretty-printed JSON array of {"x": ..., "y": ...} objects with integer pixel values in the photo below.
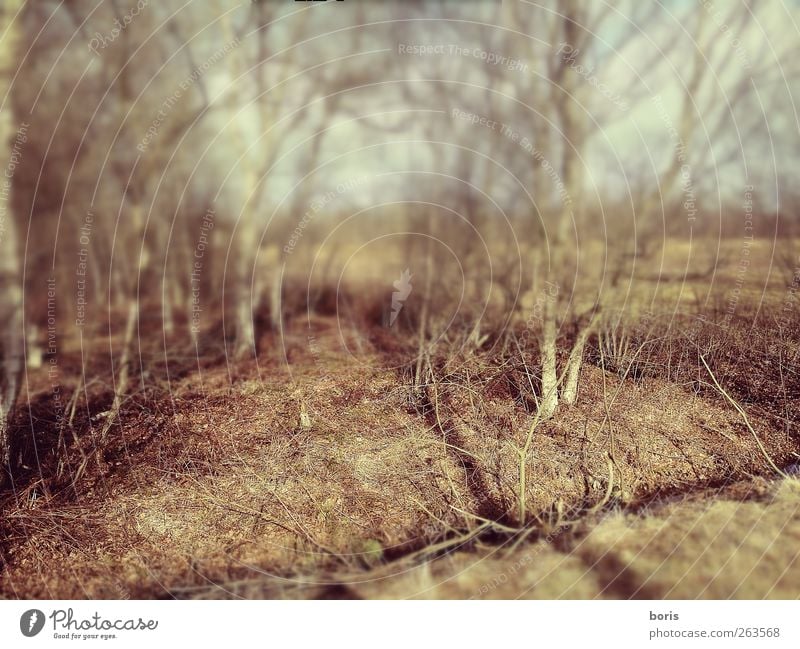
[
  {"x": 566, "y": 103},
  {"x": 276, "y": 302},
  {"x": 570, "y": 392},
  {"x": 247, "y": 252},
  {"x": 549, "y": 397},
  {"x": 11, "y": 336}
]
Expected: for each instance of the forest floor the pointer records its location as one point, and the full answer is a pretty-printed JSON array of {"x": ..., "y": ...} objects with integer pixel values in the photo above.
[{"x": 311, "y": 473}]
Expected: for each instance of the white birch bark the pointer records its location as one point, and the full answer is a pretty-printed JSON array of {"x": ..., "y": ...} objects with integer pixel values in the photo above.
[{"x": 11, "y": 321}]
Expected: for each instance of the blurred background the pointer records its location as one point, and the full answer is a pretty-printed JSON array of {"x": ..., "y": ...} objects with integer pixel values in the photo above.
[{"x": 200, "y": 158}]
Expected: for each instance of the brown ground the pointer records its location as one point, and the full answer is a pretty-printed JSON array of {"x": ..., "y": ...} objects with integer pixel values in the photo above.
[{"x": 218, "y": 488}]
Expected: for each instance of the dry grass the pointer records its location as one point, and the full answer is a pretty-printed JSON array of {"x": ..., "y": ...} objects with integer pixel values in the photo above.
[
  {"x": 345, "y": 474},
  {"x": 686, "y": 550}
]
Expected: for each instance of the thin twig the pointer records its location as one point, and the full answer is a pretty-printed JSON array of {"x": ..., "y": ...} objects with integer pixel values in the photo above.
[{"x": 746, "y": 420}]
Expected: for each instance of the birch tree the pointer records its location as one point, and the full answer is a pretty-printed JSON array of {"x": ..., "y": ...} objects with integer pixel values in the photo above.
[{"x": 11, "y": 336}]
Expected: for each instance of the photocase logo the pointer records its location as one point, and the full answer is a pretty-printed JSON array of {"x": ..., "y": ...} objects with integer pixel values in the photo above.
[
  {"x": 31, "y": 622},
  {"x": 403, "y": 286}
]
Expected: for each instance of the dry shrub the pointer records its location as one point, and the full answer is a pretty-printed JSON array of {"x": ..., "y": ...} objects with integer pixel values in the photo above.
[{"x": 625, "y": 440}]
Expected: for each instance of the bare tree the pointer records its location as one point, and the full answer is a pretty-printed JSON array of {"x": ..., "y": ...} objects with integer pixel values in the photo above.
[{"x": 11, "y": 335}]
